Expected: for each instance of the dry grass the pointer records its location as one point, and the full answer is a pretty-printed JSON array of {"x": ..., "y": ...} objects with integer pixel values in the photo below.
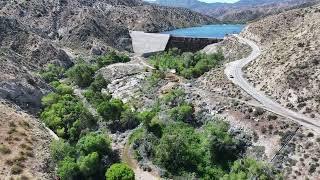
[{"x": 20, "y": 145}]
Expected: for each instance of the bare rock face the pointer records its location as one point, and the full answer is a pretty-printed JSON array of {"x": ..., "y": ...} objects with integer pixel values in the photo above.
[
  {"x": 82, "y": 25},
  {"x": 22, "y": 54},
  {"x": 289, "y": 67}
]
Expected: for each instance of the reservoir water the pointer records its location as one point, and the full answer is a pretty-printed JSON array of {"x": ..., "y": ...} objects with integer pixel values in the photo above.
[{"x": 207, "y": 31}]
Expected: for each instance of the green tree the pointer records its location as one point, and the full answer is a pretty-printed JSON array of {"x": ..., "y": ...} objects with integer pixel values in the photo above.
[
  {"x": 179, "y": 149},
  {"x": 68, "y": 169},
  {"x": 110, "y": 58},
  {"x": 129, "y": 119},
  {"x": 222, "y": 147},
  {"x": 60, "y": 150},
  {"x": 63, "y": 89},
  {"x": 94, "y": 142},
  {"x": 111, "y": 111},
  {"x": 98, "y": 84},
  {"x": 182, "y": 113},
  {"x": 81, "y": 74},
  {"x": 89, "y": 165},
  {"x": 248, "y": 168},
  {"x": 52, "y": 73},
  {"x": 120, "y": 171}
]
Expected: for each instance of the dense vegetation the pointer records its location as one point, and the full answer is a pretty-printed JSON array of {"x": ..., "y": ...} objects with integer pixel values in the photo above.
[
  {"x": 188, "y": 65},
  {"x": 65, "y": 114},
  {"x": 173, "y": 138},
  {"x": 87, "y": 159},
  {"x": 111, "y": 58},
  {"x": 83, "y": 153}
]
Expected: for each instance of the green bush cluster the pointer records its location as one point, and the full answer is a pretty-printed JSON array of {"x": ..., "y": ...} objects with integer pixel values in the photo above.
[
  {"x": 87, "y": 159},
  {"x": 120, "y": 171},
  {"x": 188, "y": 65},
  {"x": 81, "y": 74},
  {"x": 94, "y": 95},
  {"x": 111, "y": 58},
  {"x": 118, "y": 115},
  {"x": 52, "y": 73},
  {"x": 249, "y": 168},
  {"x": 65, "y": 114}
]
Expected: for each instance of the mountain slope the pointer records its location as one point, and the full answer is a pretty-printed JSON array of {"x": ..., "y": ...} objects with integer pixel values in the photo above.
[
  {"x": 241, "y": 11},
  {"x": 289, "y": 67},
  {"x": 35, "y": 33}
]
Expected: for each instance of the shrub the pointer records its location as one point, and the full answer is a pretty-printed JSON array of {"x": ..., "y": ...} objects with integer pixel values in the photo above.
[
  {"x": 66, "y": 115},
  {"x": 175, "y": 98},
  {"x": 81, "y": 74},
  {"x": 179, "y": 149},
  {"x": 182, "y": 113},
  {"x": 94, "y": 142},
  {"x": 50, "y": 99},
  {"x": 96, "y": 98},
  {"x": 111, "y": 111},
  {"x": 98, "y": 84},
  {"x": 119, "y": 171},
  {"x": 4, "y": 149},
  {"x": 222, "y": 147},
  {"x": 60, "y": 150},
  {"x": 188, "y": 65},
  {"x": 110, "y": 58},
  {"x": 89, "y": 165},
  {"x": 68, "y": 169},
  {"x": 64, "y": 89},
  {"x": 52, "y": 73},
  {"x": 129, "y": 119},
  {"x": 15, "y": 169},
  {"x": 248, "y": 168},
  {"x": 155, "y": 77}
]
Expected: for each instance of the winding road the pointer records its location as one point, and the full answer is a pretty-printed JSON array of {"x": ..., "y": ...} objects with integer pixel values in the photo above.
[{"x": 234, "y": 73}]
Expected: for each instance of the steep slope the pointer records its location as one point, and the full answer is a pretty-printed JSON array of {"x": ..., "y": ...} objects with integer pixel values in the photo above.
[
  {"x": 35, "y": 33},
  {"x": 289, "y": 67},
  {"x": 98, "y": 23},
  {"x": 22, "y": 54},
  {"x": 24, "y": 147},
  {"x": 241, "y": 11}
]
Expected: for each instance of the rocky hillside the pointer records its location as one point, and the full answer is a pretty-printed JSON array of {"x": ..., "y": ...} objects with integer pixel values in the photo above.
[
  {"x": 289, "y": 67},
  {"x": 24, "y": 147},
  {"x": 97, "y": 23},
  {"x": 34, "y": 33},
  {"x": 241, "y": 11}
]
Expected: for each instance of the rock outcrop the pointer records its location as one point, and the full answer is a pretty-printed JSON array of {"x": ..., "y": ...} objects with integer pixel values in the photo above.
[{"x": 22, "y": 54}]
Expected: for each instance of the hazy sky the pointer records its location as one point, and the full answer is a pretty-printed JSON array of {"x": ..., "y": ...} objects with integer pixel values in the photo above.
[{"x": 227, "y": 1}]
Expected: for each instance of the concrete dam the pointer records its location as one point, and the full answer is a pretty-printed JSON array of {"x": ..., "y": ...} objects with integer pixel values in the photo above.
[{"x": 147, "y": 44}]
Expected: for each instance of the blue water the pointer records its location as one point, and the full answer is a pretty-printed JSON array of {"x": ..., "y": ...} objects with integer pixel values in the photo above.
[{"x": 207, "y": 31}]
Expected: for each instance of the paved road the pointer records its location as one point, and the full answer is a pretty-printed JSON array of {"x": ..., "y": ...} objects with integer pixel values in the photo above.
[{"x": 234, "y": 73}]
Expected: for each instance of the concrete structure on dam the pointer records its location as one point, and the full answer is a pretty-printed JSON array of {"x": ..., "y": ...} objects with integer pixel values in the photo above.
[{"x": 149, "y": 43}]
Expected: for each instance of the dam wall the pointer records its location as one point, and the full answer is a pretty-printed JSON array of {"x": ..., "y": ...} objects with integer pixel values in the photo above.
[
  {"x": 190, "y": 44},
  {"x": 147, "y": 44}
]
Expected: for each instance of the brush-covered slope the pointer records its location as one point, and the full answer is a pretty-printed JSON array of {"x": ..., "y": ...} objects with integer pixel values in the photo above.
[{"x": 289, "y": 67}]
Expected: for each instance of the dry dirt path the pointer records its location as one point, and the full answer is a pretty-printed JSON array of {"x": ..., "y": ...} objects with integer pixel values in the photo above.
[{"x": 234, "y": 73}]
